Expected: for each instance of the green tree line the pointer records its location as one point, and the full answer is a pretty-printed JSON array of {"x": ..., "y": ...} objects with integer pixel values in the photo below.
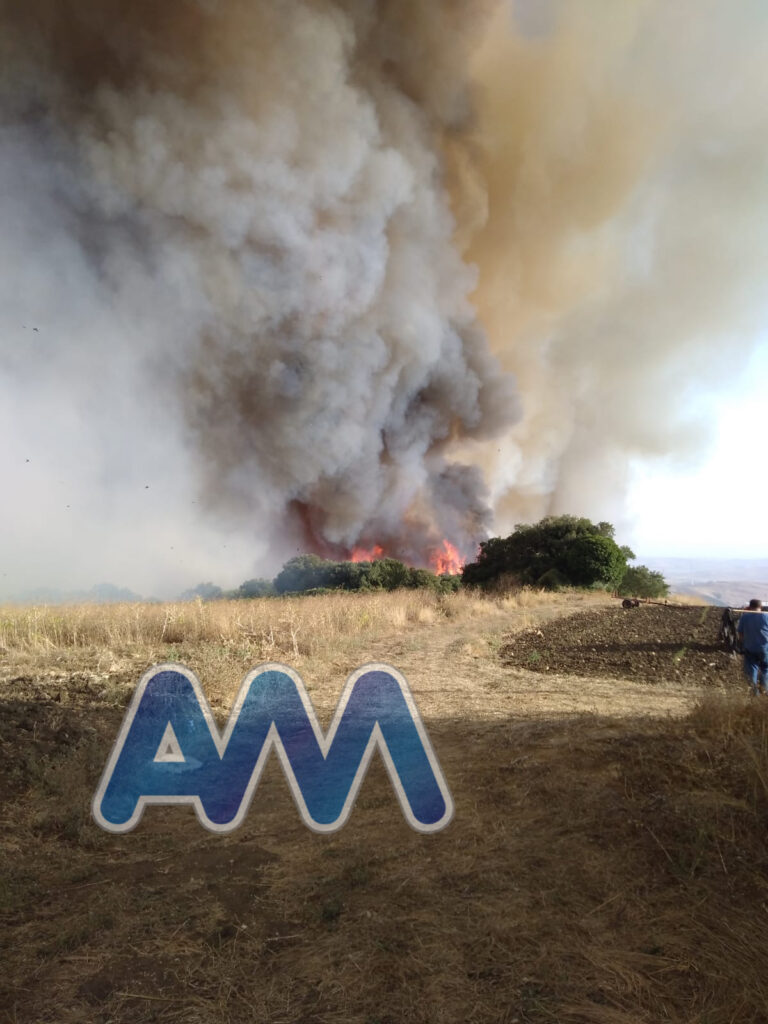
[
  {"x": 558, "y": 551},
  {"x": 310, "y": 574}
]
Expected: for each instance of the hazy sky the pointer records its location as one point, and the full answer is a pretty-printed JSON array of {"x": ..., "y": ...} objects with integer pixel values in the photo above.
[{"x": 718, "y": 507}]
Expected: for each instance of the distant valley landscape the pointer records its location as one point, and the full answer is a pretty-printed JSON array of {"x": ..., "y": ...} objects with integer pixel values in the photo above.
[{"x": 721, "y": 581}]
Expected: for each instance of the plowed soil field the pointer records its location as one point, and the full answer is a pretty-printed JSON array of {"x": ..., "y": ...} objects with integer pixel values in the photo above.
[{"x": 650, "y": 644}]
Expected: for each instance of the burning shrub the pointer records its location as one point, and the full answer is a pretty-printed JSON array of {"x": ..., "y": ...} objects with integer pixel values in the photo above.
[{"x": 312, "y": 574}]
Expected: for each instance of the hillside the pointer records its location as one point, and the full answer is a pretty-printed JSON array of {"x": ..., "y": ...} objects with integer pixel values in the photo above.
[
  {"x": 720, "y": 581},
  {"x": 606, "y": 862},
  {"x": 735, "y": 593}
]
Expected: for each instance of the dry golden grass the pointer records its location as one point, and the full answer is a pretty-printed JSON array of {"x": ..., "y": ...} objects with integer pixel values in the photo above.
[
  {"x": 222, "y": 640},
  {"x": 288, "y": 625},
  {"x": 600, "y": 869}
]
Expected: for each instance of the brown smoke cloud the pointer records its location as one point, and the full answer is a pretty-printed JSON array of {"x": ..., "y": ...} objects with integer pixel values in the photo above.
[
  {"x": 258, "y": 236},
  {"x": 622, "y": 243}
]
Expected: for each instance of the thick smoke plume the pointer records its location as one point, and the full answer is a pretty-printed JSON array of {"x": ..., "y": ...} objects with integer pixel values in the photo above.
[
  {"x": 249, "y": 198},
  {"x": 255, "y": 237},
  {"x": 618, "y": 212}
]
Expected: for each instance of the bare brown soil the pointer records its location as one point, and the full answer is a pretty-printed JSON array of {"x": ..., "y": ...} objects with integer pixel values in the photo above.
[
  {"x": 606, "y": 867},
  {"x": 652, "y": 644}
]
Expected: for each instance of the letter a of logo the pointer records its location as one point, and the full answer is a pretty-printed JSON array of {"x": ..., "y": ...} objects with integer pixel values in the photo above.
[{"x": 169, "y": 750}]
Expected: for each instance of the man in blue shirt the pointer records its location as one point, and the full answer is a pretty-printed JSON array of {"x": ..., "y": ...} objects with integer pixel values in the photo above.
[{"x": 753, "y": 634}]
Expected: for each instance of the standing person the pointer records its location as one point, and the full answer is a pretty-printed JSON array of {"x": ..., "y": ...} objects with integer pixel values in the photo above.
[{"x": 753, "y": 634}]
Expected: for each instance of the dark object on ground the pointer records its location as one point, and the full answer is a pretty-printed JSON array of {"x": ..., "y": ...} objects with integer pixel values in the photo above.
[
  {"x": 729, "y": 630},
  {"x": 635, "y": 602}
]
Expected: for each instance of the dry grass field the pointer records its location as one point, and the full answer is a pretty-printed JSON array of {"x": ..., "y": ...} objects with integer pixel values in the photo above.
[{"x": 606, "y": 863}]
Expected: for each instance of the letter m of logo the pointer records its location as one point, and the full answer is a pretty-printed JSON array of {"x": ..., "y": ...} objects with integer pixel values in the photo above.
[{"x": 169, "y": 750}]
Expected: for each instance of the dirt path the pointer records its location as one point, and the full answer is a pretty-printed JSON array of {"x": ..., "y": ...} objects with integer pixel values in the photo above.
[{"x": 458, "y": 669}]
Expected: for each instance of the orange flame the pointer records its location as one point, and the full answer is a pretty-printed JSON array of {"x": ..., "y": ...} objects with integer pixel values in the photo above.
[
  {"x": 446, "y": 560},
  {"x": 366, "y": 554}
]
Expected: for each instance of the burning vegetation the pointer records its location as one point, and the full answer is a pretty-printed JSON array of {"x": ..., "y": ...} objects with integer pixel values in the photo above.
[
  {"x": 312, "y": 574},
  {"x": 559, "y": 552},
  {"x": 443, "y": 560}
]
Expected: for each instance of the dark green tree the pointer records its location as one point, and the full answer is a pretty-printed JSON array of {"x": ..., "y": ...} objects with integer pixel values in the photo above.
[
  {"x": 305, "y": 572},
  {"x": 423, "y": 579},
  {"x": 640, "y": 581},
  {"x": 450, "y": 583},
  {"x": 594, "y": 558},
  {"x": 389, "y": 574},
  {"x": 557, "y": 551},
  {"x": 350, "y": 576}
]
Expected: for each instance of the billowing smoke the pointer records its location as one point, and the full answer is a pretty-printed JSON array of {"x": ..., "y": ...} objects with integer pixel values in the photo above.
[
  {"x": 620, "y": 217},
  {"x": 247, "y": 242},
  {"x": 238, "y": 217}
]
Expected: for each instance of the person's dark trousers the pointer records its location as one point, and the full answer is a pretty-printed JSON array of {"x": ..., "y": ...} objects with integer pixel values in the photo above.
[{"x": 756, "y": 670}]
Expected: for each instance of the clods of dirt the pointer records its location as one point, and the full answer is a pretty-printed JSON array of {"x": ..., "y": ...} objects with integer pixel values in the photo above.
[
  {"x": 651, "y": 644},
  {"x": 34, "y": 736}
]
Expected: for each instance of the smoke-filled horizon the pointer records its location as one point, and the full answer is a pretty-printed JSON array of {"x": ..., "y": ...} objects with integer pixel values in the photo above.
[{"x": 331, "y": 274}]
